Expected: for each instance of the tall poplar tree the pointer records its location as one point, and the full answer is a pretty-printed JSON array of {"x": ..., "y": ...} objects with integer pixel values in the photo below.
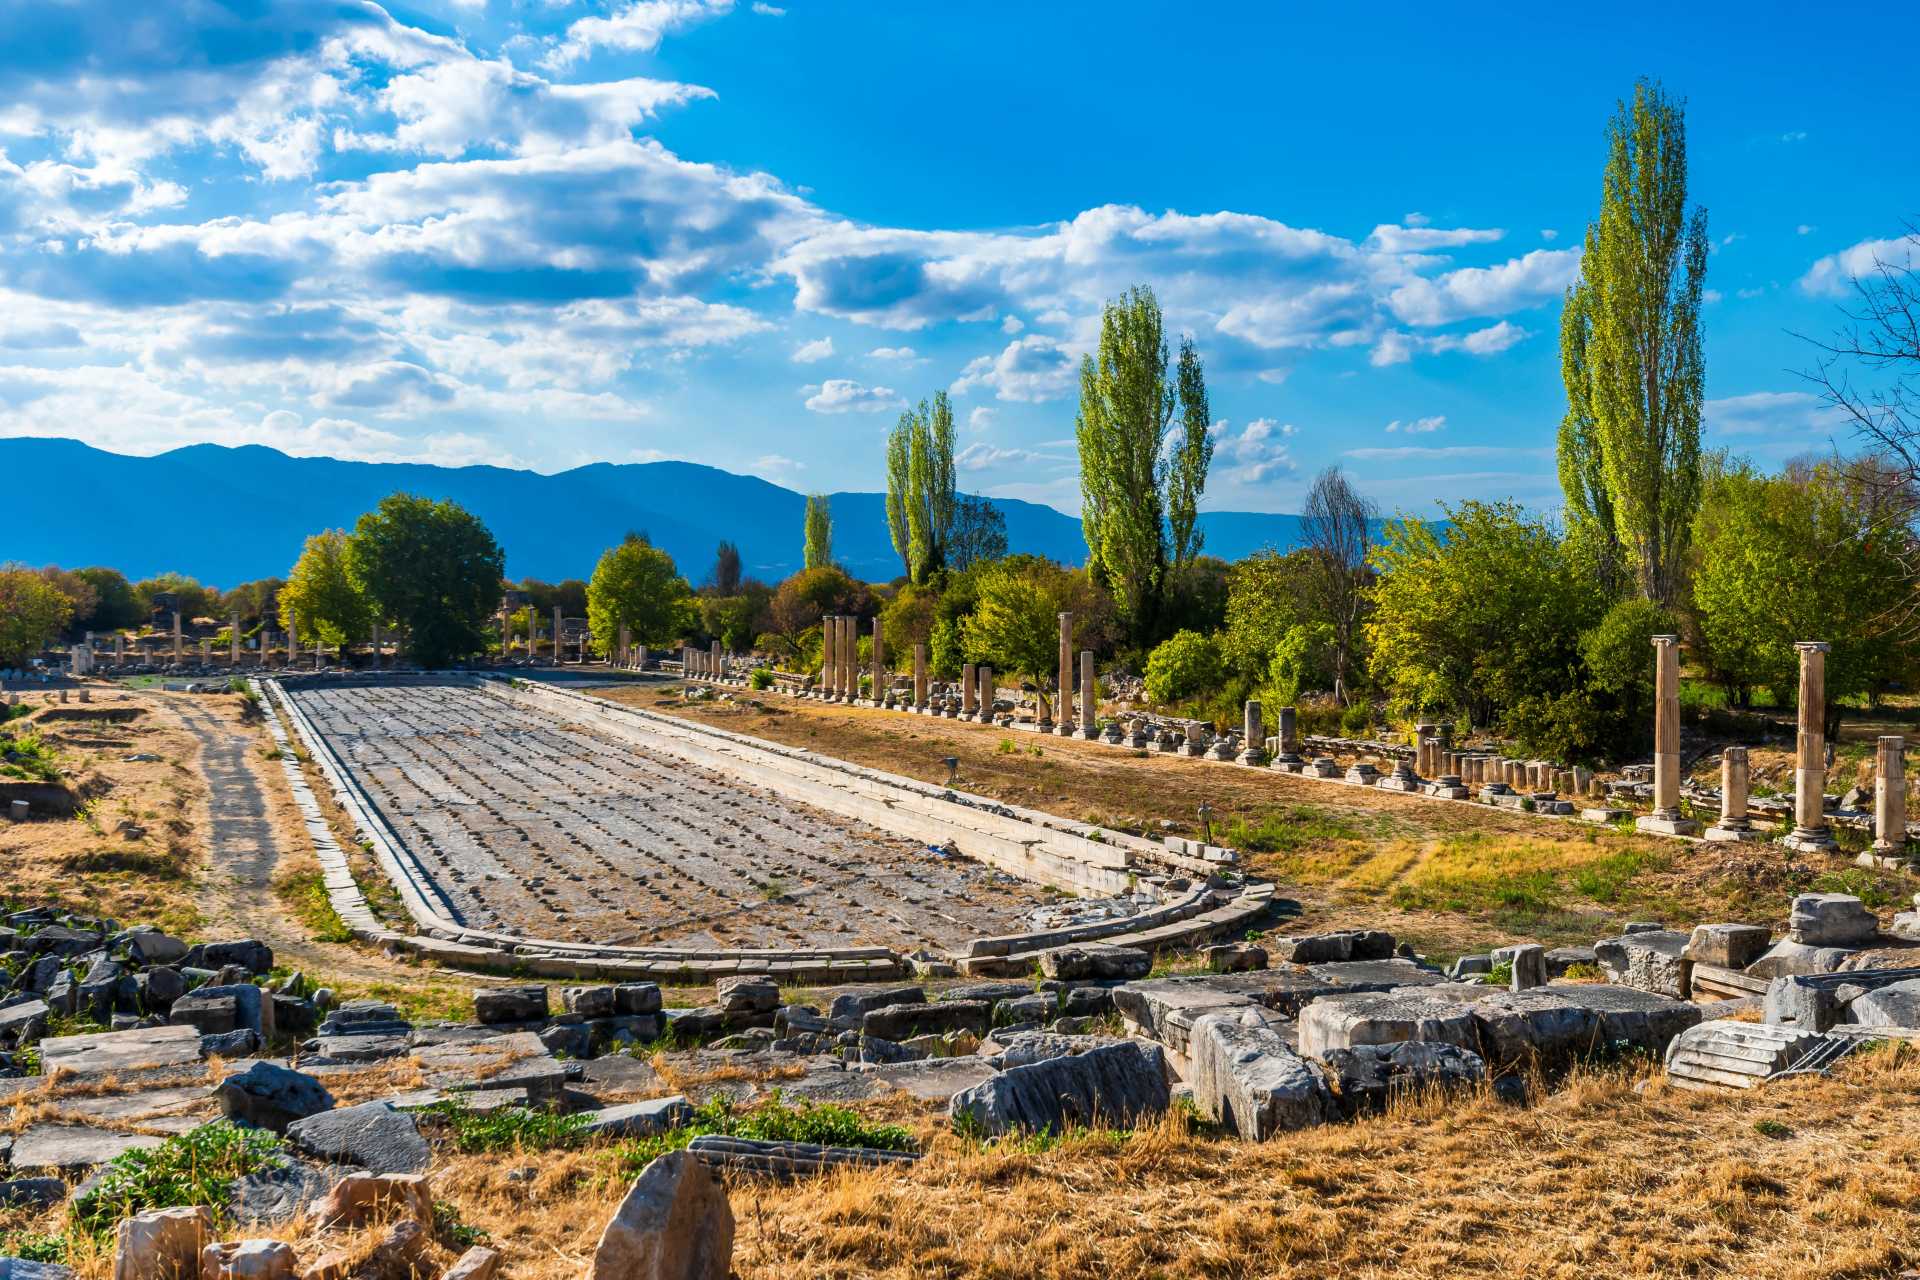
[
  {"x": 817, "y": 551},
  {"x": 1631, "y": 353},
  {"x": 1139, "y": 492},
  {"x": 920, "y": 487}
]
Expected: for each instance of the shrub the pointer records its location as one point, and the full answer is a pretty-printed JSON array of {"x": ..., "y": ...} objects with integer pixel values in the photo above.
[
  {"x": 27, "y": 756},
  {"x": 761, "y": 678},
  {"x": 770, "y": 1121},
  {"x": 196, "y": 1167},
  {"x": 1185, "y": 664},
  {"x": 508, "y": 1129},
  {"x": 1356, "y": 720}
]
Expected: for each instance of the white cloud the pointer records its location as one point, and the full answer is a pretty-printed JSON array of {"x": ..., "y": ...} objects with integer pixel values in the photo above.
[
  {"x": 891, "y": 353},
  {"x": 1256, "y": 454},
  {"x": 1521, "y": 282},
  {"x": 980, "y": 456},
  {"x": 1397, "y": 347},
  {"x": 766, "y": 10},
  {"x": 1011, "y": 324},
  {"x": 774, "y": 466},
  {"x": 1418, "y": 237},
  {"x": 1549, "y": 234},
  {"x": 1804, "y": 229},
  {"x": 1795, "y": 135},
  {"x": 635, "y": 28},
  {"x": 810, "y": 352},
  {"x": 1032, "y": 369},
  {"x": 1406, "y": 452},
  {"x": 1418, "y": 426},
  {"x": 843, "y": 395},
  {"x": 1800, "y": 418},
  {"x": 981, "y": 418},
  {"x": 1831, "y": 275},
  {"x": 1711, "y": 296}
]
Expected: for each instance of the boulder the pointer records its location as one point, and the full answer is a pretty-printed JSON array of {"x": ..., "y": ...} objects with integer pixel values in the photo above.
[
  {"x": 852, "y": 1006},
  {"x": 1028, "y": 1047},
  {"x": 634, "y": 999},
  {"x": 161, "y": 1243},
  {"x": 1234, "y": 957},
  {"x": 638, "y": 1119},
  {"x": 1115, "y": 1086},
  {"x": 1897, "y": 1005},
  {"x": 1831, "y": 920},
  {"x": 247, "y": 1260},
  {"x": 748, "y": 994},
  {"x": 1787, "y": 958},
  {"x": 1651, "y": 960},
  {"x": 477, "y": 1263},
  {"x": 1548, "y": 1028},
  {"x": 1034, "y": 1007},
  {"x": 22, "y": 1269},
  {"x": 207, "y": 1008},
  {"x": 675, "y": 1224},
  {"x": 1326, "y": 948},
  {"x": 149, "y": 947},
  {"x": 590, "y": 1002},
  {"x": 360, "y": 1197},
  {"x": 249, "y": 953},
  {"x": 1248, "y": 1079},
  {"x": 1629, "y": 1018},
  {"x": 268, "y": 1096},
  {"x": 268, "y": 1197},
  {"x": 1368, "y": 1077},
  {"x": 400, "y": 1255},
  {"x": 1529, "y": 963},
  {"x": 1098, "y": 960},
  {"x": 904, "y": 1021},
  {"x": 510, "y": 1004},
  {"x": 1384, "y": 1017},
  {"x": 373, "y": 1136},
  {"x": 1728, "y": 946}
]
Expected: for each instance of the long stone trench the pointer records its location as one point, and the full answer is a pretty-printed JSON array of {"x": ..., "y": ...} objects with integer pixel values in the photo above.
[{"x": 536, "y": 825}]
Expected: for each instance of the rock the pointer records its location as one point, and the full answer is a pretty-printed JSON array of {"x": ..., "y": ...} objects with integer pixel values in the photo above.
[
  {"x": 401, "y": 1253},
  {"x": 1115, "y": 1086},
  {"x": 1561, "y": 959},
  {"x": 1383, "y": 1017},
  {"x": 590, "y": 1002},
  {"x": 242, "y": 1042},
  {"x": 161, "y": 1243},
  {"x": 1038, "y": 1046},
  {"x": 1098, "y": 960},
  {"x": 638, "y": 1119},
  {"x": 21, "y": 1269},
  {"x": 1249, "y": 1079},
  {"x": 1536, "y": 1027},
  {"x": 24, "y": 1023},
  {"x": 293, "y": 1016},
  {"x": 149, "y": 947},
  {"x": 247, "y": 1260},
  {"x": 1529, "y": 967},
  {"x": 233, "y": 1007},
  {"x": 748, "y": 994},
  {"x": 633, "y": 999},
  {"x": 269, "y": 1197},
  {"x": 72, "y": 1146},
  {"x": 32, "y": 1193},
  {"x": 267, "y": 1096},
  {"x": 1831, "y": 920},
  {"x": 1652, "y": 960},
  {"x": 510, "y": 1004},
  {"x": 852, "y": 1006},
  {"x": 1629, "y": 1018},
  {"x": 1728, "y": 946},
  {"x": 1368, "y": 1077},
  {"x": 1787, "y": 958},
  {"x": 1323, "y": 948},
  {"x": 675, "y": 1224},
  {"x": 1897, "y": 1005},
  {"x": 1037, "y": 1007},
  {"x": 477, "y": 1263},
  {"x": 1234, "y": 957},
  {"x": 360, "y": 1197},
  {"x": 903, "y": 1021},
  {"x": 569, "y": 1039},
  {"x": 249, "y": 953},
  {"x": 932, "y": 1079},
  {"x": 372, "y": 1136},
  {"x": 786, "y": 1160},
  {"x": 332, "y": 1265}
]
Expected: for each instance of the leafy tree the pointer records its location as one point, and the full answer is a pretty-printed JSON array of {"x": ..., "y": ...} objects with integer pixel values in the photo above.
[
  {"x": 115, "y": 605},
  {"x": 637, "y": 586},
  {"x": 817, "y": 553},
  {"x": 1266, "y": 595},
  {"x": 804, "y": 599},
  {"x": 1337, "y": 526},
  {"x": 32, "y": 612},
  {"x": 254, "y": 601},
  {"x": 725, "y": 579},
  {"x": 322, "y": 597},
  {"x": 434, "y": 569},
  {"x": 908, "y": 618},
  {"x": 1631, "y": 352},
  {"x": 1197, "y": 595},
  {"x": 945, "y": 653},
  {"x": 730, "y": 620},
  {"x": 1608, "y": 712},
  {"x": 1480, "y": 615},
  {"x": 921, "y": 504},
  {"x": 1301, "y": 660},
  {"x": 979, "y": 532},
  {"x": 1015, "y": 623},
  {"x": 1181, "y": 666},
  {"x": 1131, "y": 482},
  {"x": 192, "y": 599},
  {"x": 78, "y": 591}
]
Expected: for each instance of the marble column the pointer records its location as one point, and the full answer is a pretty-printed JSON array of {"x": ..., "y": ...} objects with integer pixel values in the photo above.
[
  {"x": 1253, "y": 747},
  {"x": 179, "y": 646},
  {"x": 1288, "y": 732},
  {"x": 1424, "y": 763},
  {"x": 718, "y": 662},
  {"x": 986, "y": 694},
  {"x": 1063, "y": 712},
  {"x": 879, "y": 666},
  {"x": 378, "y": 640},
  {"x": 1666, "y": 818},
  {"x": 1734, "y": 781},
  {"x": 825, "y": 686},
  {"x": 919, "y": 677},
  {"x": 626, "y": 646},
  {"x": 556, "y": 635},
  {"x": 1890, "y": 797},
  {"x": 233, "y": 643},
  {"x": 293, "y": 640},
  {"x": 850, "y": 657},
  {"x": 119, "y": 649},
  {"x": 969, "y": 691},
  {"x": 1089, "y": 720},
  {"x": 1810, "y": 828}
]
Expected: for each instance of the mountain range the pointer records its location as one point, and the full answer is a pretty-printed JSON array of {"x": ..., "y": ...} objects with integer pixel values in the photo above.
[{"x": 228, "y": 515}]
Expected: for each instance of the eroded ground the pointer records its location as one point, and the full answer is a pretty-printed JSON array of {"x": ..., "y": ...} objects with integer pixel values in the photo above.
[{"x": 537, "y": 825}]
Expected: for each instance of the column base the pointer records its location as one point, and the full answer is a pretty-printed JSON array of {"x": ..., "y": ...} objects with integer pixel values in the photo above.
[
  {"x": 1729, "y": 832},
  {"x": 1252, "y": 759},
  {"x": 1663, "y": 825},
  {"x": 1089, "y": 733},
  {"x": 1289, "y": 762},
  {"x": 1810, "y": 840},
  {"x": 1065, "y": 730},
  {"x": 1892, "y": 857}
]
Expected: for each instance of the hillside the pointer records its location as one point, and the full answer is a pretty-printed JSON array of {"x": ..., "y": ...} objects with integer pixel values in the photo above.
[{"x": 226, "y": 515}]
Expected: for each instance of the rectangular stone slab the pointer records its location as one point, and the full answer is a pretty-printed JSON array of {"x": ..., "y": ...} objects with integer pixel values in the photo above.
[{"x": 104, "y": 1052}]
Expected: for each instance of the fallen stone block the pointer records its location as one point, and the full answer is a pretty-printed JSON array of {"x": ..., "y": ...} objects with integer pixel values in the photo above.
[
  {"x": 374, "y": 1136},
  {"x": 787, "y": 1160},
  {"x": 1029, "y": 1047},
  {"x": 1234, "y": 957},
  {"x": 495, "y": 1005},
  {"x": 247, "y": 1260},
  {"x": 267, "y": 1096},
  {"x": 852, "y": 1006},
  {"x": 1728, "y": 946},
  {"x": 400, "y": 1255},
  {"x": 477, "y": 1263},
  {"x": 1095, "y": 960},
  {"x": 634, "y": 999},
  {"x": 1651, "y": 960},
  {"x": 1385, "y": 1017},
  {"x": 904, "y": 1021},
  {"x": 1367, "y": 1078},
  {"x": 72, "y": 1146},
  {"x": 22, "y": 1269},
  {"x": 1897, "y": 1005},
  {"x": 1831, "y": 920},
  {"x": 361, "y": 1197},
  {"x": 1535, "y": 1027},
  {"x": 1630, "y": 1018},
  {"x": 748, "y": 994},
  {"x": 589, "y": 1002},
  {"x": 161, "y": 1243},
  {"x": 675, "y": 1224},
  {"x": 638, "y": 1119},
  {"x": 1249, "y": 1079},
  {"x": 1119, "y": 1086}
]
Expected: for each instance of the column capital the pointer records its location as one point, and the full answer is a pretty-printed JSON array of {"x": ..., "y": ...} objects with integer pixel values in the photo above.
[
  {"x": 1813, "y": 646},
  {"x": 1893, "y": 741},
  {"x": 1662, "y": 642}
]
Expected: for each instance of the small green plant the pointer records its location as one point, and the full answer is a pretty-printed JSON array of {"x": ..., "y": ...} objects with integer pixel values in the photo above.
[
  {"x": 196, "y": 1167},
  {"x": 773, "y": 890},
  {"x": 508, "y": 1129},
  {"x": 1501, "y": 975},
  {"x": 1771, "y": 1129},
  {"x": 32, "y": 1247},
  {"x": 452, "y": 1232},
  {"x": 760, "y": 679},
  {"x": 28, "y": 756},
  {"x": 1006, "y": 747},
  {"x": 770, "y": 1121}
]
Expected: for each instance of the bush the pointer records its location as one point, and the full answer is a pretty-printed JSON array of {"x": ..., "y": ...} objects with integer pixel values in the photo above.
[
  {"x": 1357, "y": 720},
  {"x": 761, "y": 678},
  {"x": 197, "y": 1167},
  {"x": 508, "y": 1129},
  {"x": 1184, "y": 665},
  {"x": 27, "y": 756}
]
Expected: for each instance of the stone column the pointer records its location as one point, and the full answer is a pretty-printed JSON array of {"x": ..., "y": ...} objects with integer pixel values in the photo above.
[
  {"x": 378, "y": 639},
  {"x": 1063, "y": 712},
  {"x": 1890, "y": 797},
  {"x": 969, "y": 691},
  {"x": 1810, "y": 829},
  {"x": 919, "y": 677},
  {"x": 718, "y": 659},
  {"x": 119, "y": 649},
  {"x": 179, "y": 646},
  {"x": 626, "y": 645},
  {"x": 1733, "y": 824},
  {"x": 233, "y": 643},
  {"x": 1253, "y": 747},
  {"x": 1288, "y": 732},
  {"x": 1423, "y": 750},
  {"x": 293, "y": 640},
  {"x": 879, "y": 666},
  {"x": 825, "y": 687},
  {"x": 1666, "y": 819},
  {"x": 986, "y": 694},
  {"x": 850, "y": 657},
  {"x": 1089, "y": 720}
]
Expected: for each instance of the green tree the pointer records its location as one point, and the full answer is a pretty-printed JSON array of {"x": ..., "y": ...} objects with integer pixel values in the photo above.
[
  {"x": 817, "y": 552},
  {"x": 1015, "y": 626},
  {"x": 32, "y": 612},
  {"x": 1631, "y": 350},
  {"x": 1266, "y": 595},
  {"x": 1182, "y": 666},
  {"x": 1131, "y": 482},
  {"x": 434, "y": 569},
  {"x": 730, "y": 620},
  {"x": 254, "y": 601},
  {"x": 116, "y": 606},
  {"x": 321, "y": 595},
  {"x": 637, "y": 586},
  {"x": 725, "y": 579},
  {"x": 1302, "y": 659},
  {"x": 190, "y": 597},
  {"x": 921, "y": 501},
  {"x": 979, "y": 532}
]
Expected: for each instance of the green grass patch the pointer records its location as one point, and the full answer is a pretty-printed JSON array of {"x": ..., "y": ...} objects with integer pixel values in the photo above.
[
  {"x": 197, "y": 1167},
  {"x": 1296, "y": 827},
  {"x": 508, "y": 1129},
  {"x": 772, "y": 1120},
  {"x": 305, "y": 895},
  {"x": 27, "y": 755}
]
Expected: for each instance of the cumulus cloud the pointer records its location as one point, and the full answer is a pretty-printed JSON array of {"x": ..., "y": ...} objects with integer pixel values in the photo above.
[
  {"x": 1833, "y": 275},
  {"x": 1256, "y": 453},
  {"x": 981, "y": 418},
  {"x": 633, "y": 28},
  {"x": 891, "y": 353},
  {"x": 1791, "y": 416},
  {"x": 812, "y": 352},
  {"x": 1032, "y": 369},
  {"x": 1418, "y": 426},
  {"x": 1525, "y": 281},
  {"x": 1398, "y": 346},
  {"x": 980, "y": 456},
  {"x": 844, "y": 395}
]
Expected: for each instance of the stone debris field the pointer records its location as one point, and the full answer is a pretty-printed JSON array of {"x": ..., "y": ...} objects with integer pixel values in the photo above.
[{"x": 532, "y": 824}]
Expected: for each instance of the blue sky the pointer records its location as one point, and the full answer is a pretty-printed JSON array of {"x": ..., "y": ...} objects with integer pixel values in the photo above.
[{"x": 544, "y": 234}]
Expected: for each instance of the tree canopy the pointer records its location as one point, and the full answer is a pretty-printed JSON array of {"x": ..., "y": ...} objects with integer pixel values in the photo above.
[
  {"x": 636, "y": 585},
  {"x": 817, "y": 530},
  {"x": 434, "y": 569},
  {"x": 322, "y": 597},
  {"x": 32, "y": 612},
  {"x": 921, "y": 502}
]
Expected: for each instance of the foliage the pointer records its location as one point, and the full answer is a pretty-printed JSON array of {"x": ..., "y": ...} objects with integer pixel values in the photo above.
[
  {"x": 979, "y": 532},
  {"x": 760, "y": 678},
  {"x": 1486, "y": 616},
  {"x": 732, "y": 620},
  {"x": 254, "y": 601},
  {"x": 1130, "y": 481},
  {"x": 1184, "y": 664},
  {"x": 79, "y": 592},
  {"x": 920, "y": 487},
  {"x": 1337, "y": 527},
  {"x": 637, "y": 586},
  {"x": 28, "y": 756},
  {"x": 508, "y": 1128},
  {"x": 115, "y": 605},
  {"x": 773, "y": 1120},
  {"x": 1265, "y": 600},
  {"x": 433, "y": 568},
  {"x": 804, "y": 599},
  {"x": 908, "y": 618},
  {"x": 817, "y": 530},
  {"x": 1631, "y": 356},
  {"x": 944, "y": 652},
  {"x": 1015, "y": 623},
  {"x": 32, "y": 612},
  {"x": 190, "y": 597},
  {"x": 725, "y": 578},
  {"x": 196, "y": 1167},
  {"x": 321, "y": 595},
  {"x": 1302, "y": 660}
]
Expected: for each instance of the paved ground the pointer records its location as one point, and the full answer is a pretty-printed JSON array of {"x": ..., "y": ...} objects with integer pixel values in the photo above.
[{"x": 538, "y": 825}]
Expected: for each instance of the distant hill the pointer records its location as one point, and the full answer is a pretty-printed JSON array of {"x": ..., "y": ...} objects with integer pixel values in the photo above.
[{"x": 227, "y": 515}]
